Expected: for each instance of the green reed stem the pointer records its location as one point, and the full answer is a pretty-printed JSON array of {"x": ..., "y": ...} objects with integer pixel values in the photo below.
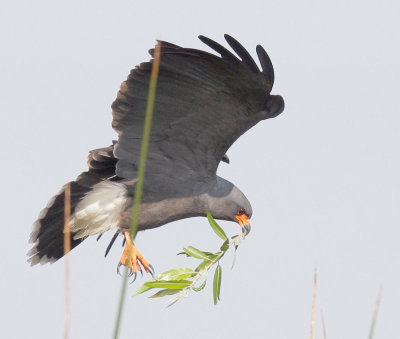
[{"x": 141, "y": 170}]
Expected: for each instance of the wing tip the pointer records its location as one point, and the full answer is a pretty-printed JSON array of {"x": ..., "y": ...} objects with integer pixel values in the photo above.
[{"x": 266, "y": 65}]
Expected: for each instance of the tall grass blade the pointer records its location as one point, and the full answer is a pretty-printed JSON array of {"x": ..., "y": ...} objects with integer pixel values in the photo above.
[{"x": 142, "y": 167}]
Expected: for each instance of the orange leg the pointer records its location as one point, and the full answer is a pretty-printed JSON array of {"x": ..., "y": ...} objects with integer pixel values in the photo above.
[{"x": 132, "y": 258}]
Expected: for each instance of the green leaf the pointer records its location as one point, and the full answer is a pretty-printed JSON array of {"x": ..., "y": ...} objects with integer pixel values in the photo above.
[
  {"x": 204, "y": 266},
  {"x": 217, "y": 229},
  {"x": 217, "y": 283},
  {"x": 142, "y": 289},
  {"x": 211, "y": 259},
  {"x": 212, "y": 256},
  {"x": 164, "y": 292},
  {"x": 225, "y": 245},
  {"x": 177, "y": 274},
  {"x": 172, "y": 284},
  {"x": 194, "y": 252},
  {"x": 174, "y": 300},
  {"x": 199, "y": 288}
]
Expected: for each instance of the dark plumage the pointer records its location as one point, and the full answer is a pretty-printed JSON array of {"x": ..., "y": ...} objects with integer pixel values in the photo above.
[{"x": 203, "y": 104}]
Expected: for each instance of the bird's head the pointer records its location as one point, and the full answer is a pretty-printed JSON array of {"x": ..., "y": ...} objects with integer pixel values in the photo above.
[{"x": 229, "y": 203}]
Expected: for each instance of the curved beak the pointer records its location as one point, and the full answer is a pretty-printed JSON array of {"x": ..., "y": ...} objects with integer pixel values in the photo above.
[{"x": 244, "y": 223}]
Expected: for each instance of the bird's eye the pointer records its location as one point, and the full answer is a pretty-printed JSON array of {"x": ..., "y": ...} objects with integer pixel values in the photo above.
[{"x": 241, "y": 212}]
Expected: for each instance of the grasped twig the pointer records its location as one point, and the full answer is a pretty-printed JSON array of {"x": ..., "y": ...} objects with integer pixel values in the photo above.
[{"x": 181, "y": 281}]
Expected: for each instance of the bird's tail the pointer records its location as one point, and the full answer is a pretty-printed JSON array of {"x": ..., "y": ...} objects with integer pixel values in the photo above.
[{"x": 48, "y": 231}]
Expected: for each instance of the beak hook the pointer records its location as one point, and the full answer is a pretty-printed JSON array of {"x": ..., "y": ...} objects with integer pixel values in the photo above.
[{"x": 246, "y": 229}]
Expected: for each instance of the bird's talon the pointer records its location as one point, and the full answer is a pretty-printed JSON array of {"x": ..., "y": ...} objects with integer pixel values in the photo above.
[
  {"x": 151, "y": 270},
  {"x": 118, "y": 266},
  {"x": 132, "y": 258},
  {"x": 134, "y": 277}
]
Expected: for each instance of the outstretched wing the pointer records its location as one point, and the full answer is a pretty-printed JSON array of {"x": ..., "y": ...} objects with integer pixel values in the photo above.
[{"x": 203, "y": 104}]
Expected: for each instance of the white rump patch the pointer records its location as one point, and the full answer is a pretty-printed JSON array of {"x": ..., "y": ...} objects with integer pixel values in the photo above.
[{"x": 100, "y": 209}]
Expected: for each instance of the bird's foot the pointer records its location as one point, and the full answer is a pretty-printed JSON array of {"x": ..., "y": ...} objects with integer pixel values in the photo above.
[{"x": 133, "y": 259}]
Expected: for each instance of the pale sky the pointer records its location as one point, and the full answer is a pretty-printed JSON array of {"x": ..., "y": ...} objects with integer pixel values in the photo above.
[{"x": 323, "y": 177}]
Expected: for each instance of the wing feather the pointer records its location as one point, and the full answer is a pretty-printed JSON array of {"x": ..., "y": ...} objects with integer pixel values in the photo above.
[
  {"x": 204, "y": 102},
  {"x": 241, "y": 51}
]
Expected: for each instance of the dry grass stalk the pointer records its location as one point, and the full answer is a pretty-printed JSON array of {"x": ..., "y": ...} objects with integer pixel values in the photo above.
[
  {"x": 67, "y": 248},
  {"x": 314, "y": 300}
]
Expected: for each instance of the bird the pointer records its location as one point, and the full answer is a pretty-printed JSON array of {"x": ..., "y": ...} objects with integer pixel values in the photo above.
[{"x": 204, "y": 102}]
